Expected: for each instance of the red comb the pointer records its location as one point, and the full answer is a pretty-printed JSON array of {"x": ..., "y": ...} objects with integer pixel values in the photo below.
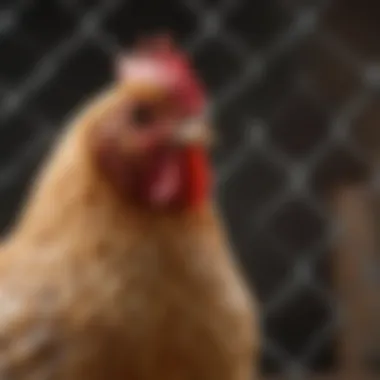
[{"x": 161, "y": 50}]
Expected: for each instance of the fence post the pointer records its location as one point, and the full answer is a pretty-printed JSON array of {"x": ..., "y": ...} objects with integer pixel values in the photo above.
[{"x": 354, "y": 256}]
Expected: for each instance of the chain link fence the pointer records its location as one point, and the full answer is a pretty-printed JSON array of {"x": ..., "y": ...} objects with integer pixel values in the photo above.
[{"x": 294, "y": 88}]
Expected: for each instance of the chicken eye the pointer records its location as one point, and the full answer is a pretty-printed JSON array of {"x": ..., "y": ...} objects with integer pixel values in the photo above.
[{"x": 143, "y": 115}]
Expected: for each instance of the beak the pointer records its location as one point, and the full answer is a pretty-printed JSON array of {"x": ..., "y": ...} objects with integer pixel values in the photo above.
[{"x": 194, "y": 131}]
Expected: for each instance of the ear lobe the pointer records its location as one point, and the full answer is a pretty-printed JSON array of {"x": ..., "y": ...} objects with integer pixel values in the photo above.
[{"x": 212, "y": 139}]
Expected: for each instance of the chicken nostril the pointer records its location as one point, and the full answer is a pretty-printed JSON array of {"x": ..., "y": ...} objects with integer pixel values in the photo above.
[{"x": 143, "y": 115}]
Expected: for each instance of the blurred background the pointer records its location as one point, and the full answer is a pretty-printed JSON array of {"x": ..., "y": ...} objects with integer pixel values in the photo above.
[{"x": 294, "y": 91}]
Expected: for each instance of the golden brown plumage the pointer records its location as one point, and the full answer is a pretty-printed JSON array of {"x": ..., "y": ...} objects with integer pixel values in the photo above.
[{"x": 95, "y": 286}]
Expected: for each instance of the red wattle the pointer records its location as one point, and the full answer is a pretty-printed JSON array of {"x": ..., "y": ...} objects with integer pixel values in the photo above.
[
  {"x": 187, "y": 187},
  {"x": 199, "y": 175}
]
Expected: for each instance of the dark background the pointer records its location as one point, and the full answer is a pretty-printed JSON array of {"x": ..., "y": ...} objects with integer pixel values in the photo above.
[{"x": 289, "y": 81}]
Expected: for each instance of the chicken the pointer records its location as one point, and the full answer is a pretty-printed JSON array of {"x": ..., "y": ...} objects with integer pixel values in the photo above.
[{"x": 118, "y": 265}]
